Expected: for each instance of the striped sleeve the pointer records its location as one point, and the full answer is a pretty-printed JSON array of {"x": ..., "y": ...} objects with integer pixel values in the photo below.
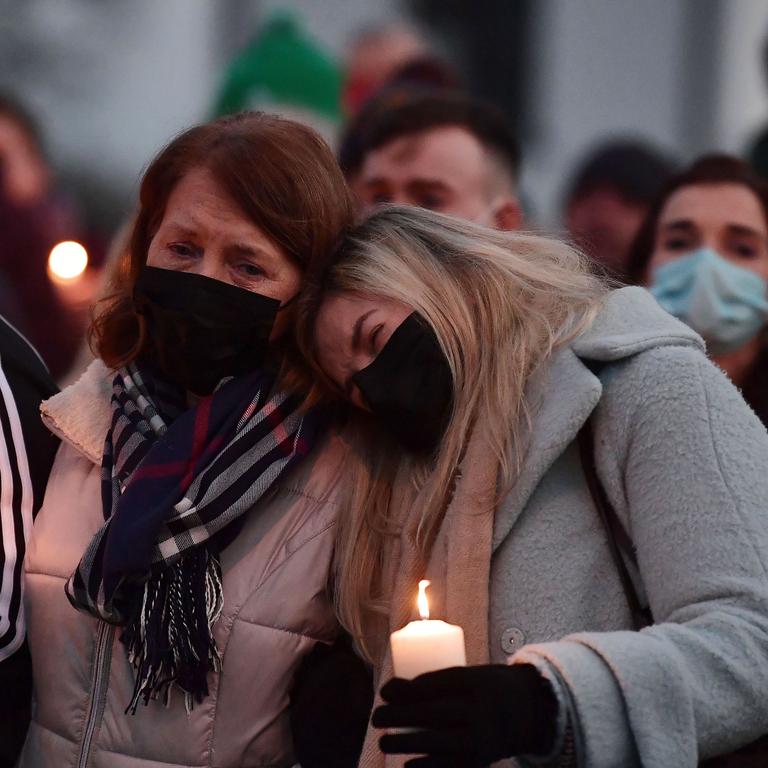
[{"x": 16, "y": 511}]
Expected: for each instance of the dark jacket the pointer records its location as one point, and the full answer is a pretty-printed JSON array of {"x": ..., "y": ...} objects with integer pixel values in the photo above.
[{"x": 26, "y": 454}]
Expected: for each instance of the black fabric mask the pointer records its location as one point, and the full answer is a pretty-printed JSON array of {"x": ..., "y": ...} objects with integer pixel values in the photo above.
[
  {"x": 200, "y": 330},
  {"x": 409, "y": 387}
]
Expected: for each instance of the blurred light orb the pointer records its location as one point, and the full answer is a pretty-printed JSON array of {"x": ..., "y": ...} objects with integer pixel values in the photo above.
[{"x": 67, "y": 261}]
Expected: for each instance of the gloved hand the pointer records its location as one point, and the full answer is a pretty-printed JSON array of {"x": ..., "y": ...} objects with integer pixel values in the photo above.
[
  {"x": 469, "y": 717},
  {"x": 330, "y": 704}
]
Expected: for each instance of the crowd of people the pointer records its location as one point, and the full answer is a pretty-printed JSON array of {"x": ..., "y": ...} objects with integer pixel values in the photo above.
[{"x": 320, "y": 378}]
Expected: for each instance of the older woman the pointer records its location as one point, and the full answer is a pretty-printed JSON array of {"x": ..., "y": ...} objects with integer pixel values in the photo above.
[
  {"x": 176, "y": 574},
  {"x": 560, "y": 460}
]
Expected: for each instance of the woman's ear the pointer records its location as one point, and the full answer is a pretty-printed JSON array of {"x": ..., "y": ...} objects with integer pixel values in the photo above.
[{"x": 508, "y": 215}]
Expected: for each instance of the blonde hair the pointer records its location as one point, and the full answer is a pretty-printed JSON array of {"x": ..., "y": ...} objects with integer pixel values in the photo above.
[{"x": 499, "y": 303}]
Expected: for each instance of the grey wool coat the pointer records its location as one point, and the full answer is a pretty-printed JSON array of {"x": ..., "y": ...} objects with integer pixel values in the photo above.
[{"x": 684, "y": 462}]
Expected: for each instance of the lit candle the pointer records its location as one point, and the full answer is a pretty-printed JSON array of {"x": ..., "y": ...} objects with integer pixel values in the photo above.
[{"x": 426, "y": 645}]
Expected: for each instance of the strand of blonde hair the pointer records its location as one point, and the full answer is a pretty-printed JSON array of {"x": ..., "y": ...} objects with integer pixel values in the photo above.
[{"x": 500, "y": 303}]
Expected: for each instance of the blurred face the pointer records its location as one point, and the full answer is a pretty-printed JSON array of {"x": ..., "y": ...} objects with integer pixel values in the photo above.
[
  {"x": 204, "y": 232},
  {"x": 350, "y": 331},
  {"x": 372, "y": 61},
  {"x": 604, "y": 225},
  {"x": 446, "y": 170},
  {"x": 726, "y": 218},
  {"x": 23, "y": 171}
]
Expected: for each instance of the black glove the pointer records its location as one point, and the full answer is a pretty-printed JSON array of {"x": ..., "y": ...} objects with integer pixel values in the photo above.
[
  {"x": 469, "y": 717},
  {"x": 330, "y": 705}
]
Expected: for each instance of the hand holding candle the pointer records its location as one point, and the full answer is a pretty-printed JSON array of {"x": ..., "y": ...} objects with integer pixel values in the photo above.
[
  {"x": 426, "y": 645},
  {"x": 471, "y": 716}
]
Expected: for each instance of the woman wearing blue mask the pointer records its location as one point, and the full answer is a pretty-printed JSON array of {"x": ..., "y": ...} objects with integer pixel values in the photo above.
[{"x": 703, "y": 252}]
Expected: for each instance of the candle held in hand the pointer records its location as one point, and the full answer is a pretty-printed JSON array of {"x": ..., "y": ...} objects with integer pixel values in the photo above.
[{"x": 426, "y": 645}]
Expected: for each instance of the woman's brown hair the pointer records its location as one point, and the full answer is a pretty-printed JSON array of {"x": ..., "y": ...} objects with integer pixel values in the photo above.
[{"x": 280, "y": 173}]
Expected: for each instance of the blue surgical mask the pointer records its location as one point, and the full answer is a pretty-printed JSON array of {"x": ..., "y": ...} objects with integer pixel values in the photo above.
[{"x": 724, "y": 303}]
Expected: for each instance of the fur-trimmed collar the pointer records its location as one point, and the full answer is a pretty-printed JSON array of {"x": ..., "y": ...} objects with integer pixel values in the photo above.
[{"x": 81, "y": 413}]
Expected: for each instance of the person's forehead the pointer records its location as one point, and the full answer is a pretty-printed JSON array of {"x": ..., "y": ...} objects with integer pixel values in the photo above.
[
  {"x": 198, "y": 191},
  {"x": 603, "y": 194},
  {"x": 386, "y": 49},
  {"x": 715, "y": 205},
  {"x": 333, "y": 329},
  {"x": 446, "y": 153},
  {"x": 198, "y": 201},
  {"x": 336, "y": 309}
]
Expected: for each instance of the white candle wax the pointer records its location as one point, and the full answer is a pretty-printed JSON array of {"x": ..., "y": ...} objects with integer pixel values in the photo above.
[{"x": 426, "y": 646}]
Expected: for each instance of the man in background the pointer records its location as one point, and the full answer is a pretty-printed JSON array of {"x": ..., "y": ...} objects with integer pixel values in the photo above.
[
  {"x": 440, "y": 150},
  {"x": 27, "y": 449}
]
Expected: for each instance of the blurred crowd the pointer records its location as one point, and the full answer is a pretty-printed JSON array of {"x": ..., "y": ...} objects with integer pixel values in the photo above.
[{"x": 406, "y": 129}]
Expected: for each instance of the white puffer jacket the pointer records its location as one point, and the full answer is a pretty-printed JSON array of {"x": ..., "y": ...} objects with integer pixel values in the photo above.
[{"x": 275, "y": 610}]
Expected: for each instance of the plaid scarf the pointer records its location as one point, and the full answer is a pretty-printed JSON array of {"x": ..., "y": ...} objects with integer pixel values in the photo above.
[{"x": 175, "y": 481}]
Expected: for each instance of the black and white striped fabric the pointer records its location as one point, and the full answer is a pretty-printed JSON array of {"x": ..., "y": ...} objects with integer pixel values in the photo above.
[
  {"x": 16, "y": 517},
  {"x": 26, "y": 455},
  {"x": 173, "y": 478}
]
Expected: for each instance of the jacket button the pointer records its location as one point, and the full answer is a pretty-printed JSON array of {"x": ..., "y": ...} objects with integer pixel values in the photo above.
[{"x": 512, "y": 640}]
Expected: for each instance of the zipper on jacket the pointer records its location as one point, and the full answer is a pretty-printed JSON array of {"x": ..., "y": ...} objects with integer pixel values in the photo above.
[{"x": 99, "y": 683}]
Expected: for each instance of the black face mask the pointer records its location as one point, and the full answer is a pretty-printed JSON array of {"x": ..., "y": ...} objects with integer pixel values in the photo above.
[
  {"x": 200, "y": 330},
  {"x": 409, "y": 387}
]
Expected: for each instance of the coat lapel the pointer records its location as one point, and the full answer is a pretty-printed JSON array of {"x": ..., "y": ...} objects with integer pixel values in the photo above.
[{"x": 566, "y": 392}]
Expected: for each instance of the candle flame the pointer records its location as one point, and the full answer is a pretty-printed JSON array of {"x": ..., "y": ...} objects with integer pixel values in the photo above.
[{"x": 422, "y": 600}]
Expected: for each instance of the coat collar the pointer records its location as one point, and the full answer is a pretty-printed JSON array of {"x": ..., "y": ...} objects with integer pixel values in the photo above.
[
  {"x": 631, "y": 321},
  {"x": 81, "y": 413},
  {"x": 566, "y": 391}
]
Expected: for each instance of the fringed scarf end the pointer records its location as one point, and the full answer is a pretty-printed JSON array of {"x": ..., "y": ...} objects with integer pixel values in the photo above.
[{"x": 170, "y": 637}]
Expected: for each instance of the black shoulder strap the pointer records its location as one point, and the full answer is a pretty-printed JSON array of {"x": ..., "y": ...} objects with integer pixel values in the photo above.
[{"x": 618, "y": 538}]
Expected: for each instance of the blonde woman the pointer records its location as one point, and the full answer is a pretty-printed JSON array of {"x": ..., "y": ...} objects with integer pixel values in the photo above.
[{"x": 561, "y": 460}]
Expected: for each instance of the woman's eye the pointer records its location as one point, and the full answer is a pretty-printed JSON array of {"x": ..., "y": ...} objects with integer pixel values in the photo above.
[
  {"x": 251, "y": 270},
  {"x": 374, "y": 336},
  {"x": 745, "y": 251},
  {"x": 677, "y": 244},
  {"x": 182, "y": 249}
]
